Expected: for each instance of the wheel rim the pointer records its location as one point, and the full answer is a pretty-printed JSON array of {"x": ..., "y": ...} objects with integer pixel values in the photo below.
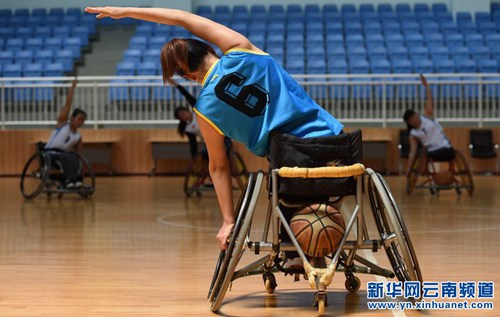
[{"x": 34, "y": 176}]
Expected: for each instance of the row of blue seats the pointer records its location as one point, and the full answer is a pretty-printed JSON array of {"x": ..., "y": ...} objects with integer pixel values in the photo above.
[
  {"x": 277, "y": 8},
  {"x": 43, "y": 12},
  {"x": 52, "y": 44},
  {"x": 54, "y": 69},
  {"x": 17, "y": 43},
  {"x": 24, "y": 58},
  {"x": 48, "y": 21},
  {"x": 338, "y": 88}
]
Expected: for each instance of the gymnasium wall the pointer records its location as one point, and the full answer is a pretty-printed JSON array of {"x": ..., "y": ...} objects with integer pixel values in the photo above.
[{"x": 131, "y": 149}]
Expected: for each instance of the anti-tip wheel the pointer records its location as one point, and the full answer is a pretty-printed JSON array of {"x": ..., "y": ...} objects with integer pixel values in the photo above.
[{"x": 352, "y": 284}]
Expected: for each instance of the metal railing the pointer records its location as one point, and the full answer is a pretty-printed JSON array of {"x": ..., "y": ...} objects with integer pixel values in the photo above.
[{"x": 144, "y": 100}]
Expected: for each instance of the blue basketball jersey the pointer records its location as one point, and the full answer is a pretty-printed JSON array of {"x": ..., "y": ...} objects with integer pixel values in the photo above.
[{"x": 246, "y": 95}]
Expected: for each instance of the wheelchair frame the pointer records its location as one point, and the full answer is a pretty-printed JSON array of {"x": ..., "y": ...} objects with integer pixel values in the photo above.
[
  {"x": 394, "y": 238},
  {"x": 462, "y": 176},
  {"x": 198, "y": 174},
  {"x": 46, "y": 177}
]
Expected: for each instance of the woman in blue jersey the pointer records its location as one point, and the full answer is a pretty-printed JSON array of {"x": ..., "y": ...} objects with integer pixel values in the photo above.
[
  {"x": 246, "y": 95},
  {"x": 425, "y": 129}
]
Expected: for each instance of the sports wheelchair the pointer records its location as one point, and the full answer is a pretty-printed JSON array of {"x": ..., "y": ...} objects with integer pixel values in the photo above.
[
  {"x": 341, "y": 181},
  {"x": 458, "y": 176},
  {"x": 43, "y": 174},
  {"x": 198, "y": 177}
]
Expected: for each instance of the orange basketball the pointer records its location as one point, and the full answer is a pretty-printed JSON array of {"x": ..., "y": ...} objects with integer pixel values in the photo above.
[
  {"x": 444, "y": 178},
  {"x": 318, "y": 229}
]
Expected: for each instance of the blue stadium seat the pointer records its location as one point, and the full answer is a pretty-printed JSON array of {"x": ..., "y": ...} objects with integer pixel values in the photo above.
[
  {"x": 132, "y": 55},
  {"x": 17, "y": 21},
  {"x": 297, "y": 27},
  {"x": 163, "y": 30},
  {"x": 6, "y": 32},
  {"x": 454, "y": 40},
  {"x": 315, "y": 52},
  {"x": 403, "y": 7},
  {"x": 468, "y": 28},
  {"x": 380, "y": 66},
  {"x": 53, "y": 44},
  {"x": 466, "y": 66},
  {"x": 401, "y": 66},
  {"x": 316, "y": 66},
  {"x": 25, "y": 32},
  {"x": 444, "y": 66},
  {"x": 315, "y": 39},
  {"x": 423, "y": 66},
  {"x": 33, "y": 44},
  {"x": 90, "y": 21},
  {"x": 387, "y": 16},
  {"x": 460, "y": 53},
  {"x": 418, "y": 53},
  {"x": 377, "y": 52},
  {"x": 448, "y": 27},
  {"x": 44, "y": 56},
  {"x": 397, "y": 52},
  {"x": 56, "y": 11},
  {"x": 12, "y": 70},
  {"x": 53, "y": 70},
  {"x": 14, "y": 44},
  {"x": 394, "y": 39},
  {"x": 39, "y": 12},
  {"x": 52, "y": 21},
  {"x": 429, "y": 27},
  {"x": 384, "y": 7},
  {"x": 474, "y": 40},
  {"x": 407, "y": 17},
  {"x": 118, "y": 92},
  {"x": 336, "y": 52},
  {"x": 443, "y": 17},
  {"x": 439, "y": 53},
  {"x": 353, "y": 28},
  {"x": 354, "y": 39},
  {"x": 42, "y": 32},
  {"x": 141, "y": 91},
  {"x": 157, "y": 42},
  {"x": 24, "y": 57},
  {"x": 125, "y": 69},
  {"x": 410, "y": 27},
  {"x": 151, "y": 55},
  {"x": 81, "y": 32},
  {"x": 480, "y": 52},
  {"x": 424, "y": 17},
  {"x": 415, "y": 39},
  {"x": 439, "y": 7},
  {"x": 359, "y": 66},
  {"x": 33, "y": 70},
  {"x": 65, "y": 57},
  {"x": 6, "y": 13},
  {"x": 356, "y": 52},
  {"x": 70, "y": 20},
  {"x": 138, "y": 42},
  {"x": 75, "y": 45},
  {"x": 295, "y": 66},
  {"x": 372, "y": 27},
  {"x": 488, "y": 66},
  {"x": 434, "y": 39},
  {"x": 61, "y": 32},
  {"x": 337, "y": 66},
  {"x": 6, "y": 57}
]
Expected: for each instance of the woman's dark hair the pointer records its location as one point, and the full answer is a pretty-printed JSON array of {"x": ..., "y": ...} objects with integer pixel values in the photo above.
[
  {"x": 181, "y": 127},
  {"x": 78, "y": 111},
  {"x": 406, "y": 116},
  {"x": 180, "y": 56}
]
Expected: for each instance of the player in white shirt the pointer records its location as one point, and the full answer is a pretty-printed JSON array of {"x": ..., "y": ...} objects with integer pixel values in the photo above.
[
  {"x": 66, "y": 140},
  {"x": 425, "y": 129}
]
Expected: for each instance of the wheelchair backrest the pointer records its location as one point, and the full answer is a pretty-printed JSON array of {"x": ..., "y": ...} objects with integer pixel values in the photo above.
[{"x": 291, "y": 151}]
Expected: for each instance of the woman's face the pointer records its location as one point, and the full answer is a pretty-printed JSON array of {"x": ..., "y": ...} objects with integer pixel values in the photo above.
[
  {"x": 185, "y": 116},
  {"x": 414, "y": 121}
]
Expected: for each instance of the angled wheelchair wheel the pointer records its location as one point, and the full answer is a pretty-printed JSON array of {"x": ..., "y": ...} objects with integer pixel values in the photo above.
[
  {"x": 34, "y": 175},
  {"x": 87, "y": 176},
  {"x": 412, "y": 179},
  {"x": 392, "y": 229},
  {"x": 195, "y": 176},
  {"x": 230, "y": 257},
  {"x": 463, "y": 171},
  {"x": 239, "y": 169}
]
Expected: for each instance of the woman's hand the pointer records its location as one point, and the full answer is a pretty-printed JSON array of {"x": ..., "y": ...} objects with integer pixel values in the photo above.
[
  {"x": 107, "y": 12},
  {"x": 223, "y": 235},
  {"x": 423, "y": 80}
]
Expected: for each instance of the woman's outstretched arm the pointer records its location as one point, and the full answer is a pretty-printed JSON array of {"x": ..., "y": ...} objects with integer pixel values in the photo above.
[{"x": 206, "y": 29}]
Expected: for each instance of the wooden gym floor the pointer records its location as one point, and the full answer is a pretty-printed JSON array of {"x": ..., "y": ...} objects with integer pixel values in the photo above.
[{"x": 139, "y": 248}]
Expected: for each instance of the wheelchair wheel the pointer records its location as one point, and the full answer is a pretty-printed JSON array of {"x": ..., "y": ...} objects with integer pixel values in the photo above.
[
  {"x": 34, "y": 175},
  {"x": 463, "y": 171},
  {"x": 88, "y": 178},
  {"x": 393, "y": 231},
  {"x": 196, "y": 175},
  {"x": 412, "y": 179},
  {"x": 226, "y": 266},
  {"x": 239, "y": 170}
]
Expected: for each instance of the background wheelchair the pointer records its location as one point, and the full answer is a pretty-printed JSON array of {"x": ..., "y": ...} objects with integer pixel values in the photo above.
[
  {"x": 352, "y": 181},
  {"x": 43, "y": 174},
  {"x": 457, "y": 176},
  {"x": 198, "y": 177}
]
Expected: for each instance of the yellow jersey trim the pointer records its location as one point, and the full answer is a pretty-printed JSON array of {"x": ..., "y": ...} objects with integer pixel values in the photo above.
[
  {"x": 238, "y": 49},
  {"x": 208, "y": 72},
  {"x": 209, "y": 121}
]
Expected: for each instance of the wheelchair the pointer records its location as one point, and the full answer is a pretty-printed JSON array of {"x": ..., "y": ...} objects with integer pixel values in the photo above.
[
  {"x": 460, "y": 175},
  {"x": 42, "y": 174},
  {"x": 198, "y": 177},
  {"x": 353, "y": 180}
]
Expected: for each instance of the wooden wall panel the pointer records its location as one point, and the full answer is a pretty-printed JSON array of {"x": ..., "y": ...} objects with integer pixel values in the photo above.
[{"x": 132, "y": 149}]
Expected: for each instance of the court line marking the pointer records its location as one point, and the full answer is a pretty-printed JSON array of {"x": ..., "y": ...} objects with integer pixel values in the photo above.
[{"x": 369, "y": 256}]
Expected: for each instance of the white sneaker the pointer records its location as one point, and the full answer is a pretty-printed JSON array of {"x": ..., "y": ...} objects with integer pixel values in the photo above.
[
  {"x": 78, "y": 184},
  {"x": 69, "y": 185}
]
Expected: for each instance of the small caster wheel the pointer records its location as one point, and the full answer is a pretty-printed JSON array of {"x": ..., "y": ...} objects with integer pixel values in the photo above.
[
  {"x": 352, "y": 284},
  {"x": 320, "y": 302},
  {"x": 269, "y": 282}
]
